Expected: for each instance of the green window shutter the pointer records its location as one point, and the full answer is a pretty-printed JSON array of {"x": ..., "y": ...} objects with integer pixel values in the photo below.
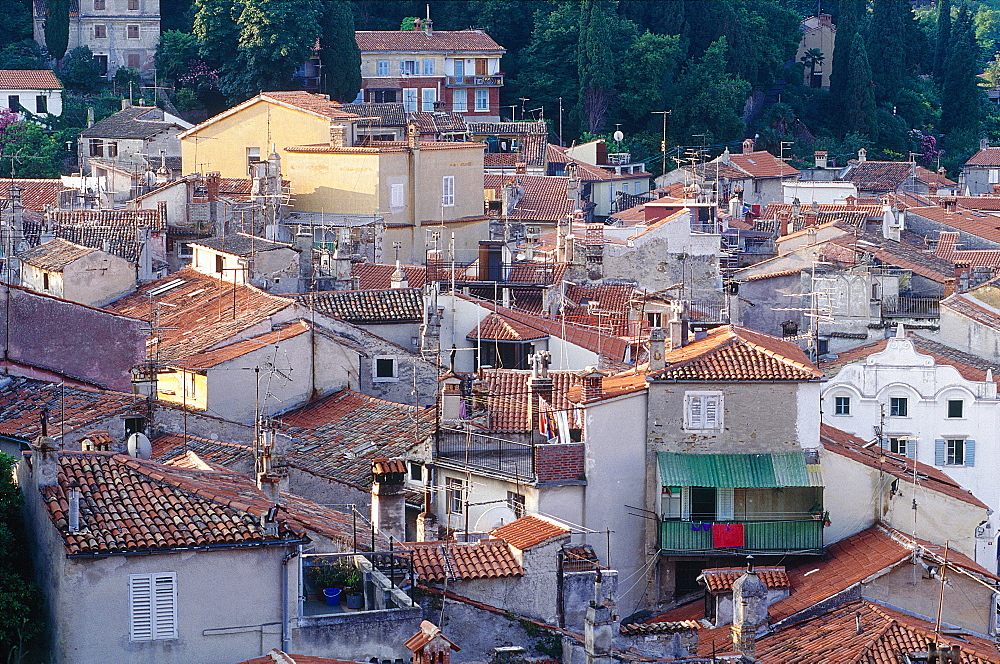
[
  {"x": 939, "y": 452},
  {"x": 970, "y": 452}
]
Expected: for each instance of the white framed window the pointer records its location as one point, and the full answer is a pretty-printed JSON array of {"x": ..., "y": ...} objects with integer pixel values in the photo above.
[
  {"x": 253, "y": 156},
  {"x": 956, "y": 409},
  {"x": 954, "y": 452},
  {"x": 459, "y": 99},
  {"x": 428, "y": 67},
  {"x": 901, "y": 444},
  {"x": 408, "y": 67},
  {"x": 994, "y": 176},
  {"x": 448, "y": 191},
  {"x": 385, "y": 369},
  {"x": 516, "y": 503},
  {"x": 382, "y": 68},
  {"x": 397, "y": 194},
  {"x": 459, "y": 67},
  {"x": 702, "y": 410},
  {"x": 898, "y": 407},
  {"x": 842, "y": 405},
  {"x": 410, "y": 100},
  {"x": 152, "y": 606},
  {"x": 455, "y": 495},
  {"x": 427, "y": 98},
  {"x": 482, "y": 99}
]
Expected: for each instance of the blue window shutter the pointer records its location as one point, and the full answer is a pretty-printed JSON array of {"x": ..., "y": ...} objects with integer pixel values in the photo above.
[
  {"x": 970, "y": 452},
  {"x": 939, "y": 452},
  {"x": 911, "y": 448}
]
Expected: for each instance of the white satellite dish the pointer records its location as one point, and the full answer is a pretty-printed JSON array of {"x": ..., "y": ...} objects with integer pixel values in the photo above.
[
  {"x": 138, "y": 445},
  {"x": 619, "y": 136},
  {"x": 495, "y": 517}
]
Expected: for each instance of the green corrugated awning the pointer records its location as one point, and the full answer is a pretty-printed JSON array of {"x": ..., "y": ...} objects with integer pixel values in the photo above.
[{"x": 738, "y": 470}]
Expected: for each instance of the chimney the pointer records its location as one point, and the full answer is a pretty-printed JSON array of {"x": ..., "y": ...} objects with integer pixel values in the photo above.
[
  {"x": 451, "y": 397},
  {"x": 126, "y": 103},
  {"x": 213, "y": 180},
  {"x": 417, "y": 22},
  {"x": 749, "y": 610},
  {"x": 520, "y": 168},
  {"x": 428, "y": 27},
  {"x": 90, "y": 116},
  {"x": 657, "y": 348},
  {"x": 304, "y": 243},
  {"x": 678, "y": 328},
  {"x": 963, "y": 276},
  {"x": 593, "y": 385},
  {"x": 893, "y": 222},
  {"x": 949, "y": 203},
  {"x": 337, "y": 132},
  {"x": 342, "y": 264},
  {"x": 996, "y": 190},
  {"x": 599, "y": 625},
  {"x": 748, "y": 146},
  {"x": 810, "y": 217},
  {"x": 949, "y": 287},
  {"x": 539, "y": 388},
  {"x": 820, "y": 157},
  {"x": 862, "y": 156},
  {"x": 826, "y": 19},
  {"x": 430, "y": 645},
  {"x": 984, "y": 144},
  {"x": 73, "y": 517},
  {"x": 398, "y": 278},
  {"x": 388, "y": 502},
  {"x": 784, "y": 222},
  {"x": 412, "y": 136},
  {"x": 427, "y": 528},
  {"x": 45, "y": 456}
]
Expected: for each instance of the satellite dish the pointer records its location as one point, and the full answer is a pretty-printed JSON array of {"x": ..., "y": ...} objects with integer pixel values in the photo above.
[
  {"x": 619, "y": 135},
  {"x": 138, "y": 445},
  {"x": 22, "y": 247},
  {"x": 495, "y": 517}
]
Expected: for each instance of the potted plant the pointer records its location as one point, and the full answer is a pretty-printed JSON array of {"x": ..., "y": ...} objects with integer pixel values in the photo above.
[
  {"x": 323, "y": 577},
  {"x": 355, "y": 596}
]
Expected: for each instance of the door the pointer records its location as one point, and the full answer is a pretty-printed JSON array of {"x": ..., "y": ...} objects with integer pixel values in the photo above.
[{"x": 703, "y": 500}]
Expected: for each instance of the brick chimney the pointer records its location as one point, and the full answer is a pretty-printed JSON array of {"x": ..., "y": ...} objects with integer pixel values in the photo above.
[
  {"x": 949, "y": 286},
  {"x": 949, "y": 203},
  {"x": 412, "y": 136},
  {"x": 430, "y": 645},
  {"x": 593, "y": 385},
  {"x": 748, "y": 146},
  {"x": 388, "y": 502},
  {"x": 213, "y": 179},
  {"x": 784, "y": 222}
]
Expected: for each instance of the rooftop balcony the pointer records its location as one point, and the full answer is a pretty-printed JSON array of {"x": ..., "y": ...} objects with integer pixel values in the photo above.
[{"x": 797, "y": 534}]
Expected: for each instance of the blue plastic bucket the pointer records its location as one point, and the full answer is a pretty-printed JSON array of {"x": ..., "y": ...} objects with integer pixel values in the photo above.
[{"x": 332, "y": 596}]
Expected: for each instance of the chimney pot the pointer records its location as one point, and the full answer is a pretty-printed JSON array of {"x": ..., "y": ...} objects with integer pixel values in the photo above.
[{"x": 820, "y": 157}]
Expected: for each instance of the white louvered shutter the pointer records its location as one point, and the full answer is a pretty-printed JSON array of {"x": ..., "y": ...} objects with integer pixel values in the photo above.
[
  {"x": 711, "y": 412},
  {"x": 725, "y": 503},
  {"x": 695, "y": 412},
  {"x": 685, "y": 502},
  {"x": 165, "y": 606},
  {"x": 140, "y": 604}
]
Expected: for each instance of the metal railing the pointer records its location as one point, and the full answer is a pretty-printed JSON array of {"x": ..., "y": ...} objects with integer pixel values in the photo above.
[
  {"x": 904, "y": 306},
  {"x": 514, "y": 458},
  {"x": 708, "y": 311},
  {"x": 486, "y": 79},
  {"x": 758, "y": 536}
]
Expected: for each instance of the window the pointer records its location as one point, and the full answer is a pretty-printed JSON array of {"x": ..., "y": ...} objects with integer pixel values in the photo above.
[
  {"x": 96, "y": 147},
  {"x": 102, "y": 64},
  {"x": 253, "y": 156},
  {"x": 110, "y": 149},
  {"x": 14, "y": 103},
  {"x": 133, "y": 5},
  {"x": 383, "y": 96},
  {"x": 455, "y": 495},
  {"x": 410, "y": 100},
  {"x": 408, "y": 67},
  {"x": 220, "y": 264},
  {"x": 45, "y": 280},
  {"x": 134, "y": 425},
  {"x": 99, "y": 5},
  {"x": 482, "y": 66},
  {"x": 384, "y": 370},
  {"x": 152, "y": 606},
  {"x": 994, "y": 176},
  {"x": 954, "y": 454},
  {"x": 100, "y": 31},
  {"x": 482, "y": 99},
  {"x": 448, "y": 191},
  {"x": 703, "y": 410},
  {"x": 184, "y": 250},
  {"x": 397, "y": 193},
  {"x": 133, "y": 60},
  {"x": 41, "y": 104},
  {"x": 132, "y": 31},
  {"x": 382, "y": 68},
  {"x": 672, "y": 502},
  {"x": 427, "y": 97},
  {"x": 842, "y": 405},
  {"x": 897, "y": 407},
  {"x": 416, "y": 471},
  {"x": 459, "y": 100},
  {"x": 955, "y": 408},
  {"x": 428, "y": 67},
  {"x": 902, "y": 445},
  {"x": 515, "y": 501},
  {"x": 654, "y": 318},
  {"x": 460, "y": 67}
]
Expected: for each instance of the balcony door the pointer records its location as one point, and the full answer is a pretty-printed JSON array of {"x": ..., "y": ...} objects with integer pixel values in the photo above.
[{"x": 712, "y": 504}]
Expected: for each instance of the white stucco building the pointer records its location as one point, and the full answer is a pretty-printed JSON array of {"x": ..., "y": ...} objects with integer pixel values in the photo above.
[{"x": 30, "y": 91}]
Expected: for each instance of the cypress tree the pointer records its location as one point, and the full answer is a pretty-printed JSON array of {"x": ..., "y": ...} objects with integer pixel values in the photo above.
[
  {"x": 847, "y": 28},
  {"x": 961, "y": 97},
  {"x": 943, "y": 45},
  {"x": 859, "y": 95},
  {"x": 57, "y": 27},
  {"x": 886, "y": 35},
  {"x": 339, "y": 52}
]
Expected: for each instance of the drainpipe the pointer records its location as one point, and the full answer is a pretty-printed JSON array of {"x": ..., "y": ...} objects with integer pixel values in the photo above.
[{"x": 285, "y": 637}]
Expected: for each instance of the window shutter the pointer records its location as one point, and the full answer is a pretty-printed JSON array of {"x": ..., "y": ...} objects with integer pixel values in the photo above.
[
  {"x": 694, "y": 412},
  {"x": 939, "y": 452},
  {"x": 970, "y": 452},
  {"x": 396, "y": 199},
  {"x": 911, "y": 448},
  {"x": 140, "y": 603},
  {"x": 711, "y": 412},
  {"x": 685, "y": 502},
  {"x": 725, "y": 503}
]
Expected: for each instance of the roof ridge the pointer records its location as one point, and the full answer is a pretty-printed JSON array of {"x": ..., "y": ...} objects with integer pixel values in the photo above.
[{"x": 779, "y": 357}]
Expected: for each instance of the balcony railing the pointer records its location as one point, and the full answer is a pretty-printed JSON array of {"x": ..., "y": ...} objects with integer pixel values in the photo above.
[
  {"x": 806, "y": 535},
  {"x": 490, "y": 80},
  {"x": 904, "y": 306},
  {"x": 501, "y": 455}
]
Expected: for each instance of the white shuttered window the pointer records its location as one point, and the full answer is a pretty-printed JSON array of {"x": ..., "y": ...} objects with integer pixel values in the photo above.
[
  {"x": 448, "y": 191},
  {"x": 152, "y": 605},
  {"x": 703, "y": 410}
]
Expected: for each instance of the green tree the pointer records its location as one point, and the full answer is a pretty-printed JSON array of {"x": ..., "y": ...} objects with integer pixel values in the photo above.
[
  {"x": 885, "y": 38},
  {"x": 57, "y": 27},
  {"x": 961, "y": 97},
  {"x": 601, "y": 31},
  {"x": 20, "y": 619},
  {"x": 174, "y": 54},
  {"x": 216, "y": 30},
  {"x": 708, "y": 100},
  {"x": 859, "y": 95},
  {"x": 546, "y": 72},
  {"x": 943, "y": 43},
  {"x": 339, "y": 52},
  {"x": 79, "y": 71},
  {"x": 15, "y": 20},
  {"x": 29, "y": 151},
  {"x": 848, "y": 22},
  {"x": 22, "y": 55}
]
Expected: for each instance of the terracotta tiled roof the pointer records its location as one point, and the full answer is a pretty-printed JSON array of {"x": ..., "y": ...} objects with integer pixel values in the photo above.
[
  {"x": 212, "y": 358},
  {"x": 721, "y": 579},
  {"x": 438, "y": 122},
  {"x": 544, "y": 196},
  {"x": 319, "y": 104},
  {"x": 909, "y": 470},
  {"x": 278, "y": 657},
  {"x": 879, "y": 175},
  {"x": 721, "y": 169},
  {"x": 896, "y": 254},
  {"x": 171, "y": 446},
  {"x": 131, "y": 505},
  {"x": 871, "y": 211},
  {"x": 36, "y": 195},
  {"x": 412, "y": 41},
  {"x": 986, "y": 226},
  {"x": 988, "y": 157},
  {"x": 529, "y": 531},
  {"x": 390, "y": 305},
  {"x": 970, "y": 307},
  {"x": 378, "y": 276},
  {"x": 240, "y": 244},
  {"x": 28, "y": 79},
  {"x": 499, "y": 328},
  {"x": 935, "y": 179},
  {"x": 339, "y": 436},
  {"x": 486, "y": 559},
  {"x": 507, "y": 396},
  {"x": 864, "y": 632},
  {"x": 731, "y": 353},
  {"x": 22, "y": 401},
  {"x": 588, "y": 172},
  {"x": 389, "y": 114},
  {"x": 428, "y": 631},
  {"x": 130, "y": 218},
  {"x": 601, "y": 305},
  {"x": 54, "y": 254},
  {"x": 971, "y": 367},
  {"x": 135, "y": 122},
  {"x": 763, "y": 164},
  {"x": 202, "y": 311},
  {"x": 947, "y": 249}
]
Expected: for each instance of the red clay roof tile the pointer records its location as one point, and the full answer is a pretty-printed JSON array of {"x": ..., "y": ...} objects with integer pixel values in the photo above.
[
  {"x": 486, "y": 559},
  {"x": 28, "y": 79},
  {"x": 529, "y": 531},
  {"x": 414, "y": 41}
]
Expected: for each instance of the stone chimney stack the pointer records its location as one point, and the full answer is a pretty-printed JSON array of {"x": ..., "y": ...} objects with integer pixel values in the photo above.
[
  {"x": 412, "y": 136},
  {"x": 388, "y": 502},
  {"x": 657, "y": 348},
  {"x": 398, "y": 278},
  {"x": 427, "y": 528},
  {"x": 820, "y": 156},
  {"x": 599, "y": 626},
  {"x": 451, "y": 397},
  {"x": 304, "y": 243},
  {"x": 45, "y": 455},
  {"x": 749, "y": 610},
  {"x": 678, "y": 327},
  {"x": 539, "y": 388},
  {"x": 748, "y": 146},
  {"x": 862, "y": 156},
  {"x": 337, "y": 132}
]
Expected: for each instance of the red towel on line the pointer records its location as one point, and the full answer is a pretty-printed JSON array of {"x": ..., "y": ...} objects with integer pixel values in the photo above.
[{"x": 727, "y": 535}]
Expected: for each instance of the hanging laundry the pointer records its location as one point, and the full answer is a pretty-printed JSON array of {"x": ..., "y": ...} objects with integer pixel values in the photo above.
[{"x": 727, "y": 535}]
